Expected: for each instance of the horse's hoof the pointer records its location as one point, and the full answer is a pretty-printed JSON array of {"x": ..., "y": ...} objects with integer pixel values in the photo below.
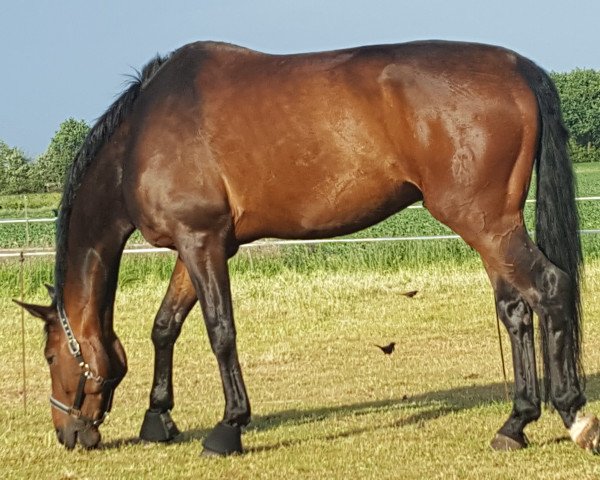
[
  {"x": 158, "y": 427},
  {"x": 503, "y": 443},
  {"x": 585, "y": 432},
  {"x": 223, "y": 440}
]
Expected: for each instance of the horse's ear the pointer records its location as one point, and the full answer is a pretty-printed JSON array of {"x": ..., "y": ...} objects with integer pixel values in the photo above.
[
  {"x": 51, "y": 290},
  {"x": 46, "y": 313}
]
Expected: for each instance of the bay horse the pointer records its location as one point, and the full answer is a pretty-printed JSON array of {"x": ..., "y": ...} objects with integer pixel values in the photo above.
[{"x": 216, "y": 145}]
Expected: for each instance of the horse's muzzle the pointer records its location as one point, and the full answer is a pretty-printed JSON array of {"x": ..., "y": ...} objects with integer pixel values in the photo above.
[{"x": 88, "y": 435}]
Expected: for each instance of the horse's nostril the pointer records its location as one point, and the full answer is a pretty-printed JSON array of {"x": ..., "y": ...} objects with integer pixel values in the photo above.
[
  {"x": 67, "y": 436},
  {"x": 89, "y": 438}
]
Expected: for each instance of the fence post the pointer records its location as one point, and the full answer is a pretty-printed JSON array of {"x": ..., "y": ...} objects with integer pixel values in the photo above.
[
  {"x": 22, "y": 285},
  {"x": 26, "y": 221}
]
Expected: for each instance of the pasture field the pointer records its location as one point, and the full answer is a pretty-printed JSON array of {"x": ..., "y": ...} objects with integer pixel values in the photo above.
[{"x": 326, "y": 402}]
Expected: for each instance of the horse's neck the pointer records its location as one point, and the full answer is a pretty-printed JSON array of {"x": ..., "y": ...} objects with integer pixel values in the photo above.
[{"x": 98, "y": 228}]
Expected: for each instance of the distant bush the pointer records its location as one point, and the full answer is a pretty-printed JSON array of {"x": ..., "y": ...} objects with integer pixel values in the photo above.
[
  {"x": 580, "y": 98},
  {"x": 19, "y": 174},
  {"x": 16, "y": 171},
  {"x": 52, "y": 166},
  {"x": 581, "y": 154}
]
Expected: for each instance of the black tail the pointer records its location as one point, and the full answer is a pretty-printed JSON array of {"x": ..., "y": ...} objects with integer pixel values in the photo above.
[{"x": 557, "y": 221}]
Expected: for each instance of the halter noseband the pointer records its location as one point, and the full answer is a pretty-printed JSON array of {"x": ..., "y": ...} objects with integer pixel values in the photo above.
[{"x": 86, "y": 374}]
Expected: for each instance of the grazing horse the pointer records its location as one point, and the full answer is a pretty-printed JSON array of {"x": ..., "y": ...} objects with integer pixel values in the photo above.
[{"x": 216, "y": 145}]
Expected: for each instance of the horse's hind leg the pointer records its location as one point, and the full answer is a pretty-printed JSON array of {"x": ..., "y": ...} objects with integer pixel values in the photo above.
[
  {"x": 179, "y": 300},
  {"x": 548, "y": 290},
  {"x": 510, "y": 255},
  {"x": 517, "y": 316}
]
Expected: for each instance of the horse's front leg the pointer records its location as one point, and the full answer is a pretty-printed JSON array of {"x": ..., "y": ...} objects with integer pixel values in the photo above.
[
  {"x": 206, "y": 260},
  {"x": 179, "y": 300}
]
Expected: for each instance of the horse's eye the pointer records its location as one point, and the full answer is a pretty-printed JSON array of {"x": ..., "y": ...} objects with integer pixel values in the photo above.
[{"x": 50, "y": 359}]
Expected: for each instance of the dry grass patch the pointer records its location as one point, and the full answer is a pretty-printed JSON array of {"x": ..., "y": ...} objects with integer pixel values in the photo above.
[{"x": 326, "y": 402}]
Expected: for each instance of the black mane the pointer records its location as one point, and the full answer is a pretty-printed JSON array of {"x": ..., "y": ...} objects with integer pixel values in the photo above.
[{"x": 100, "y": 132}]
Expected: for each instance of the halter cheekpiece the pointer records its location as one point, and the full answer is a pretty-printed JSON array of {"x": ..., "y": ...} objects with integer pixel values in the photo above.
[{"x": 85, "y": 375}]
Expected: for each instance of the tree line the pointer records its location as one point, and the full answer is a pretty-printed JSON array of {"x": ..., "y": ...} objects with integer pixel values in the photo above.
[
  {"x": 19, "y": 174},
  {"x": 579, "y": 92}
]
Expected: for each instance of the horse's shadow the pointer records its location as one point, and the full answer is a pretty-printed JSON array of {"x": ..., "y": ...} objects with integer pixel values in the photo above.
[{"x": 425, "y": 407}]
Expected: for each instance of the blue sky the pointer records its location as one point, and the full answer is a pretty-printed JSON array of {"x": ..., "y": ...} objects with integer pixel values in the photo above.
[{"x": 68, "y": 58}]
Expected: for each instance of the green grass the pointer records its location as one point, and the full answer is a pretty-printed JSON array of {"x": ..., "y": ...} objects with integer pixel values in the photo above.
[
  {"x": 326, "y": 403},
  {"x": 37, "y": 205},
  {"x": 588, "y": 179}
]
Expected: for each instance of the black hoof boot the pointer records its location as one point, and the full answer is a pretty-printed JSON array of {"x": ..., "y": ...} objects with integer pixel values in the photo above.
[
  {"x": 158, "y": 427},
  {"x": 223, "y": 440}
]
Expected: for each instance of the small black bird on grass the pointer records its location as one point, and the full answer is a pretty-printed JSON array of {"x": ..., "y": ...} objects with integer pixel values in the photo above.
[
  {"x": 387, "y": 349},
  {"x": 410, "y": 294}
]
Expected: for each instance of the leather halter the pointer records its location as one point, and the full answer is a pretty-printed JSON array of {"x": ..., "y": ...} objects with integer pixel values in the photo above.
[{"x": 108, "y": 385}]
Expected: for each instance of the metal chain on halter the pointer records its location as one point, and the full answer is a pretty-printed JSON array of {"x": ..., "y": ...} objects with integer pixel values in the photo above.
[{"x": 74, "y": 347}]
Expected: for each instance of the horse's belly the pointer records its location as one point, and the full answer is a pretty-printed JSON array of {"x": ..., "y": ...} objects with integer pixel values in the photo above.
[{"x": 324, "y": 215}]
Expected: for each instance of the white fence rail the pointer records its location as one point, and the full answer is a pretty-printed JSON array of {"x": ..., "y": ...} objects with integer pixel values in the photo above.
[
  {"x": 41, "y": 252},
  {"x": 258, "y": 244},
  {"x": 48, "y": 220},
  {"x": 27, "y": 220}
]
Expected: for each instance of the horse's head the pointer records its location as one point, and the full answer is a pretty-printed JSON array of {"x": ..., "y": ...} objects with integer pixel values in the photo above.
[{"x": 84, "y": 372}]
